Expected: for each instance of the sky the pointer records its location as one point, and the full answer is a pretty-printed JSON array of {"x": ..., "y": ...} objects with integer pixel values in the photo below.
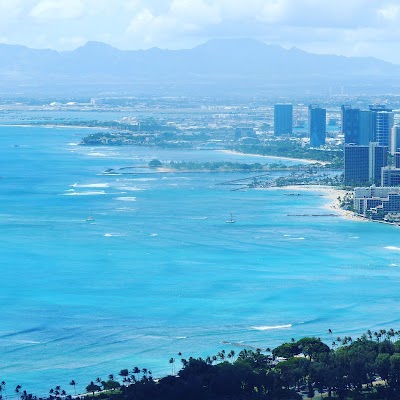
[{"x": 344, "y": 27}]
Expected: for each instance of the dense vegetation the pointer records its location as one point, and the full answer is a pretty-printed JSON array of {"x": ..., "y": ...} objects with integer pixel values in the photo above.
[
  {"x": 366, "y": 368},
  {"x": 293, "y": 149},
  {"x": 148, "y": 125}
]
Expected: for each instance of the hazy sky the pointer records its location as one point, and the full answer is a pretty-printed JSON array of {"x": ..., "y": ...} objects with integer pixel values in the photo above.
[{"x": 348, "y": 27}]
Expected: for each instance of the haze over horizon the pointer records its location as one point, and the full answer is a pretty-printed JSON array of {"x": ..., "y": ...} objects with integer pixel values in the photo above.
[{"x": 350, "y": 28}]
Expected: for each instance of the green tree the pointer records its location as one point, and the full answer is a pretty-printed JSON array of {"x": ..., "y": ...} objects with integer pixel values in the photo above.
[
  {"x": 73, "y": 383},
  {"x": 286, "y": 350},
  {"x": 92, "y": 388},
  {"x": 312, "y": 347},
  {"x": 155, "y": 163}
]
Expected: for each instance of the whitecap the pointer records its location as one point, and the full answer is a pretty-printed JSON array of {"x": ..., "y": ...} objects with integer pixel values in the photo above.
[
  {"x": 393, "y": 265},
  {"x": 97, "y": 154},
  {"x": 153, "y": 235},
  {"x": 198, "y": 218},
  {"x": 131, "y": 189},
  {"x": 73, "y": 144},
  {"x": 354, "y": 237},
  {"x": 144, "y": 179},
  {"x": 287, "y": 235},
  {"x": 181, "y": 337},
  {"x": 125, "y": 198},
  {"x": 84, "y": 193},
  {"x": 394, "y": 248},
  {"x": 90, "y": 185},
  {"x": 268, "y": 328}
]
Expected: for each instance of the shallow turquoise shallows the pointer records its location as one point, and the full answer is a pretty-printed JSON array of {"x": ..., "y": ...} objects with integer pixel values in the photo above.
[{"x": 157, "y": 271}]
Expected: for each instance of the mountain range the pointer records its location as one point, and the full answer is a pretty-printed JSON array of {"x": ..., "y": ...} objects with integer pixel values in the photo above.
[{"x": 219, "y": 60}]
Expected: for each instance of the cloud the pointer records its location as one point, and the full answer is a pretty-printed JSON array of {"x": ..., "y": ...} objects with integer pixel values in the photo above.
[
  {"x": 182, "y": 16},
  {"x": 57, "y": 9},
  {"x": 349, "y": 27},
  {"x": 390, "y": 13}
]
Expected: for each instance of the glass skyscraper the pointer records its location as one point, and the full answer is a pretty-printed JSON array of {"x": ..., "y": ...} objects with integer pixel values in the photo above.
[
  {"x": 283, "y": 119},
  {"x": 317, "y": 125}
]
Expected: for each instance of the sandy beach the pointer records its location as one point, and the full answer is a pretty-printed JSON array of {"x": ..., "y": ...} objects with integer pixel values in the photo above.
[{"x": 303, "y": 160}]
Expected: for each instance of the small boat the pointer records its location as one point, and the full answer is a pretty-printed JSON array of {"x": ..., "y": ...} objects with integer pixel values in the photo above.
[
  {"x": 230, "y": 221},
  {"x": 90, "y": 218}
]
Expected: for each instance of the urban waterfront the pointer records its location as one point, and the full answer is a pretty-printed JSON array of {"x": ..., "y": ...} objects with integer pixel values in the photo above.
[{"x": 158, "y": 271}]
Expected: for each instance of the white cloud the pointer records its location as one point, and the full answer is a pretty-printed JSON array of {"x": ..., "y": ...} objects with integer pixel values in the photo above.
[
  {"x": 57, "y": 9},
  {"x": 390, "y": 13},
  {"x": 182, "y": 17}
]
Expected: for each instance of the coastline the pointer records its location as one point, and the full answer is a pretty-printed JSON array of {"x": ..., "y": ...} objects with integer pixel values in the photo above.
[
  {"x": 331, "y": 194},
  {"x": 53, "y": 126},
  {"x": 305, "y": 160}
]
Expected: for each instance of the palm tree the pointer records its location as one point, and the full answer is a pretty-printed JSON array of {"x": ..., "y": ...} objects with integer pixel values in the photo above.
[
  {"x": 331, "y": 333},
  {"x": 17, "y": 390},
  {"x": 73, "y": 383},
  {"x": 136, "y": 370},
  {"x": 111, "y": 377},
  {"x": 172, "y": 362},
  {"x": 3, "y": 385},
  {"x": 144, "y": 370}
]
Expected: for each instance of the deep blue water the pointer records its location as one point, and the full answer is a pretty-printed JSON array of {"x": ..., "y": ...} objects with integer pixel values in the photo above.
[{"x": 159, "y": 272}]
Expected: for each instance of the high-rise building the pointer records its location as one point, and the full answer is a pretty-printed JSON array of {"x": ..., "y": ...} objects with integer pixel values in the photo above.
[
  {"x": 395, "y": 140},
  {"x": 317, "y": 125},
  {"x": 365, "y": 127},
  {"x": 378, "y": 158},
  {"x": 384, "y": 125},
  {"x": 390, "y": 176},
  {"x": 283, "y": 119},
  {"x": 377, "y": 202},
  {"x": 396, "y": 159},
  {"x": 374, "y": 110},
  {"x": 351, "y": 124},
  {"x": 356, "y": 165}
]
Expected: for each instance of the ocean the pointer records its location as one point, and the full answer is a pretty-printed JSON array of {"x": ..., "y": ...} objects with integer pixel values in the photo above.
[{"x": 158, "y": 271}]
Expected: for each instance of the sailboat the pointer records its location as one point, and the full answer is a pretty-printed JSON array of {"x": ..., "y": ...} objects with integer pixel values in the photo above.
[{"x": 230, "y": 221}]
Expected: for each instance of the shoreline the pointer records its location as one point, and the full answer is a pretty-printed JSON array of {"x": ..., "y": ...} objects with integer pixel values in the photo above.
[
  {"x": 331, "y": 194},
  {"x": 53, "y": 126},
  {"x": 305, "y": 160}
]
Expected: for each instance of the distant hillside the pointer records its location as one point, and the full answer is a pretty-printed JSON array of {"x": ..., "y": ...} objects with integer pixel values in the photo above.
[{"x": 241, "y": 60}]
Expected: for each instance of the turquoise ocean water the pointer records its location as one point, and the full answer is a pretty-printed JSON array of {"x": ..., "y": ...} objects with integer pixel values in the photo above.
[{"x": 159, "y": 272}]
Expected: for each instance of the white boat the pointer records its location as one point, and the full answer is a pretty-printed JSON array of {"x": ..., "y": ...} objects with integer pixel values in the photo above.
[
  {"x": 230, "y": 221},
  {"x": 90, "y": 218}
]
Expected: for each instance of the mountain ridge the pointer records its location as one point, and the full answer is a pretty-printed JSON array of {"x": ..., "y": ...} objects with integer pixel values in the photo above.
[{"x": 215, "y": 60}]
